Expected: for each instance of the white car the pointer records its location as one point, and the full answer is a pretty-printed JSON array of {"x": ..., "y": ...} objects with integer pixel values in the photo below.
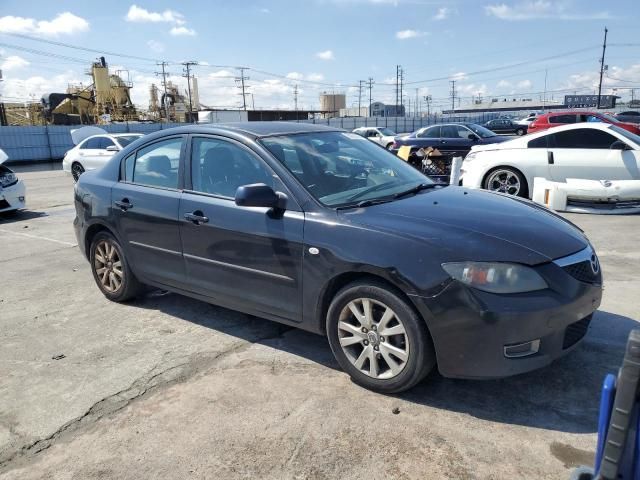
[
  {"x": 12, "y": 190},
  {"x": 379, "y": 135},
  {"x": 94, "y": 147},
  {"x": 589, "y": 151},
  {"x": 527, "y": 121}
]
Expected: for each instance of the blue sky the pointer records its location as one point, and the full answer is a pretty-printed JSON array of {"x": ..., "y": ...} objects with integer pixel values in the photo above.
[{"x": 490, "y": 47}]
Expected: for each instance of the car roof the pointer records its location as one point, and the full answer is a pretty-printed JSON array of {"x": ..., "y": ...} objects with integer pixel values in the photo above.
[
  {"x": 124, "y": 134},
  {"x": 261, "y": 129}
]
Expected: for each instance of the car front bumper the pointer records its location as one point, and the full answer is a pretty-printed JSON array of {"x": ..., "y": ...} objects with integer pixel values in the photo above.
[
  {"x": 13, "y": 197},
  {"x": 471, "y": 329}
]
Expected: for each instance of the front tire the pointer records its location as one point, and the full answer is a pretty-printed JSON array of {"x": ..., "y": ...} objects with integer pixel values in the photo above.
[
  {"x": 506, "y": 180},
  {"x": 389, "y": 146},
  {"x": 76, "y": 170},
  {"x": 111, "y": 270},
  {"x": 378, "y": 339},
  {"x": 520, "y": 132}
]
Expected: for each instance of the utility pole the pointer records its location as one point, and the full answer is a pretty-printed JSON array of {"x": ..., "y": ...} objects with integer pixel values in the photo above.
[
  {"x": 427, "y": 98},
  {"x": 187, "y": 73},
  {"x": 453, "y": 95},
  {"x": 360, "y": 97},
  {"x": 397, "y": 90},
  {"x": 164, "y": 87},
  {"x": 241, "y": 79},
  {"x": 295, "y": 99},
  {"x": 417, "y": 109},
  {"x": 401, "y": 82},
  {"x": 371, "y": 82},
  {"x": 602, "y": 66}
]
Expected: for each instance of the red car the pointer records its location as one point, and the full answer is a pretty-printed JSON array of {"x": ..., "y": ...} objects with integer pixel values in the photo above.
[{"x": 555, "y": 119}]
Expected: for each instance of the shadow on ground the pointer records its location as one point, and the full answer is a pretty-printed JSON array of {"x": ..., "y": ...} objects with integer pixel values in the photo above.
[
  {"x": 562, "y": 397},
  {"x": 20, "y": 216}
]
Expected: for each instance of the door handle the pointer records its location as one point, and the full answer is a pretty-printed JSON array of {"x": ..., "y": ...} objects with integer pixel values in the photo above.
[
  {"x": 197, "y": 217},
  {"x": 550, "y": 158},
  {"x": 124, "y": 204}
]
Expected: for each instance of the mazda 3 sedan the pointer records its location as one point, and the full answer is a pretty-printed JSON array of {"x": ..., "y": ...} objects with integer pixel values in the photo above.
[{"x": 320, "y": 229}]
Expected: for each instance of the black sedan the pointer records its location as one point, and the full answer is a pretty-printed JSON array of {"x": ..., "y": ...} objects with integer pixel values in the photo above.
[
  {"x": 451, "y": 139},
  {"x": 504, "y": 125},
  {"x": 321, "y": 229}
]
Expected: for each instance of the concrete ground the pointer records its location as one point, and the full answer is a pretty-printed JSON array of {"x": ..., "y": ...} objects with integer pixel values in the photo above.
[{"x": 170, "y": 387}]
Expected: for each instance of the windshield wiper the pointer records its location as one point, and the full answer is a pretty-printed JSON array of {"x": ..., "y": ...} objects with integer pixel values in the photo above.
[
  {"x": 416, "y": 189},
  {"x": 374, "y": 188},
  {"x": 365, "y": 203}
]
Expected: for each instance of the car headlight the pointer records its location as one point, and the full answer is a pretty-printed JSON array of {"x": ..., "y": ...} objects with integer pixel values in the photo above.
[
  {"x": 8, "y": 178},
  {"x": 470, "y": 156},
  {"x": 496, "y": 277}
]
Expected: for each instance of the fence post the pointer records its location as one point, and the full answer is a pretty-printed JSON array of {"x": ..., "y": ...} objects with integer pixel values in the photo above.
[{"x": 46, "y": 134}]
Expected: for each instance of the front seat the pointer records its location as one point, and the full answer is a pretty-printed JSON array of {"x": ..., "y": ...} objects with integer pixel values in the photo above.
[
  {"x": 219, "y": 174},
  {"x": 159, "y": 172}
]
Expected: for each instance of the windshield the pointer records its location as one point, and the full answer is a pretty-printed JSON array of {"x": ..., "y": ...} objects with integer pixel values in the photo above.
[
  {"x": 609, "y": 118},
  {"x": 481, "y": 131},
  {"x": 341, "y": 168},
  {"x": 626, "y": 134},
  {"x": 387, "y": 132},
  {"x": 127, "y": 139}
]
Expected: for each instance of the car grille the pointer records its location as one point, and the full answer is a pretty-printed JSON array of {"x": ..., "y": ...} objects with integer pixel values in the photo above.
[
  {"x": 605, "y": 204},
  {"x": 575, "y": 332},
  {"x": 4, "y": 204},
  {"x": 582, "y": 271}
]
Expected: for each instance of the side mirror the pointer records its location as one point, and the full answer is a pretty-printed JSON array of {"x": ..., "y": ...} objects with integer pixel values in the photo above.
[
  {"x": 260, "y": 195},
  {"x": 473, "y": 136},
  {"x": 619, "y": 145},
  {"x": 112, "y": 148}
]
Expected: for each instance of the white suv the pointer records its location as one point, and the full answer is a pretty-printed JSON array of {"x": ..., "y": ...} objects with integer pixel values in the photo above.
[{"x": 380, "y": 135}]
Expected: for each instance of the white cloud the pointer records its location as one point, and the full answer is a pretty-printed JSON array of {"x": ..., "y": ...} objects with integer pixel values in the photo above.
[
  {"x": 155, "y": 46},
  {"x": 182, "y": 31},
  {"x": 138, "y": 14},
  {"x": 65, "y": 23},
  {"x": 406, "y": 34},
  {"x": 458, "y": 77},
  {"x": 504, "y": 84},
  {"x": 524, "y": 84},
  {"x": 315, "y": 77},
  {"x": 537, "y": 9},
  {"x": 587, "y": 82},
  {"x": 14, "y": 62},
  {"x": 326, "y": 55},
  {"x": 442, "y": 14},
  {"x": 295, "y": 76},
  {"x": 265, "y": 10},
  {"x": 22, "y": 89}
]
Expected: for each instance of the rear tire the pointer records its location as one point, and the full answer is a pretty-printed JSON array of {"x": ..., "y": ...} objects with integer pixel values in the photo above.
[
  {"x": 76, "y": 170},
  {"x": 520, "y": 132},
  {"x": 378, "y": 338},
  {"x": 389, "y": 146},
  {"x": 111, "y": 270}
]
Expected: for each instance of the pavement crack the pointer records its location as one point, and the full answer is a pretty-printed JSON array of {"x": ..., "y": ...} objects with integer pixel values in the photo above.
[{"x": 197, "y": 363}]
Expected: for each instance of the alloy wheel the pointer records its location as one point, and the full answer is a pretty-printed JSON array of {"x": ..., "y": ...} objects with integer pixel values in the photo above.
[
  {"x": 108, "y": 266},
  {"x": 373, "y": 338},
  {"x": 504, "y": 181}
]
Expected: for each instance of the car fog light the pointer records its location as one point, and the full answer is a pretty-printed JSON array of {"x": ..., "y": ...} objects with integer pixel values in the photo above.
[{"x": 522, "y": 349}]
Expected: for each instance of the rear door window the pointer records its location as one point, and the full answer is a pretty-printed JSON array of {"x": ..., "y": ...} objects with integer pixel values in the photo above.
[
  {"x": 538, "y": 142},
  {"x": 105, "y": 142},
  {"x": 563, "y": 119},
  {"x": 91, "y": 143},
  {"x": 156, "y": 165},
  {"x": 433, "y": 132}
]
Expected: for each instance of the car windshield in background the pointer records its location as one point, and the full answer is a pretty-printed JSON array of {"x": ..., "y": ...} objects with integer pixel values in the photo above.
[
  {"x": 340, "y": 169},
  {"x": 627, "y": 134},
  {"x": 481, "y": 131},
  {"x": 609, "y": 118},
  {"x": 387, "y": 132},
  {"x": 126, "y": 140}
]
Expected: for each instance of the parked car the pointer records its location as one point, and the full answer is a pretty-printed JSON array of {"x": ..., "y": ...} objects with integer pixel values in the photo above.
[
  {"x": 93, "y": 151},
  {"x": 12, "y": 189},
  {"x": 452, "y": 139},
  {"x": 591, "y": 151},
  {"x": 549, "y": 120},
  {"x": 528, "y": 119},
  {"x": 380, "y": 135},
  {"x": 320, "y": 229},
  {"x": 503, "y": 125},
  {"x": 630, "y": 116}
]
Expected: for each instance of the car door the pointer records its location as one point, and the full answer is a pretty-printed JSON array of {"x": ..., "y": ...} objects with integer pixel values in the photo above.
[
  {"x": 145, "y": 205},
  {"x": 247, "y": 258},
  {"x": 586, "y": 153},
  {"x": 455, "y": 140},
  {"x": 89, "y": 153}
]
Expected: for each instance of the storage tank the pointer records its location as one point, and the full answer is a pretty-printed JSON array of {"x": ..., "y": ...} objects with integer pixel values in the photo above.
[{"x": 332, "y": 102}]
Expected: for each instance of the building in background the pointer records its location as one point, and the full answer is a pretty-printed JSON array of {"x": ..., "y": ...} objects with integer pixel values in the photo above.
[
  {"x": 377, "y": 109},
  {"x": 332, "y": 103}
]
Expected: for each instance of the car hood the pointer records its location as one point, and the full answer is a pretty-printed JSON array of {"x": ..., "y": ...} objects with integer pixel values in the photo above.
[{"x": 475, "y": 225}]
